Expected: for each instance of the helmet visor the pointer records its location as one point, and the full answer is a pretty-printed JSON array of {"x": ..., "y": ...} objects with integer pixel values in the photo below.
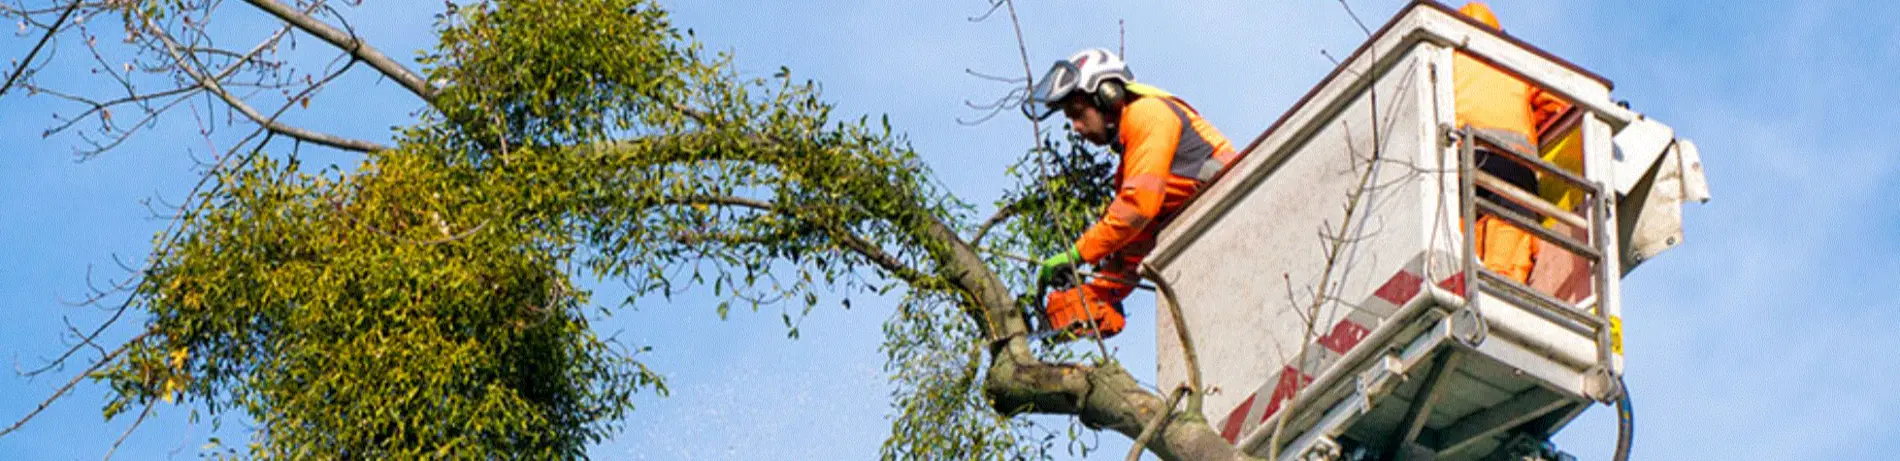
[{"x": 1061, "y": 79}]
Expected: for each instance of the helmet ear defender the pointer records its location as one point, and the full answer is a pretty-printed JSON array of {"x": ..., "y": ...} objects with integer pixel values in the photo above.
[{"x": 1109, "y": 95}]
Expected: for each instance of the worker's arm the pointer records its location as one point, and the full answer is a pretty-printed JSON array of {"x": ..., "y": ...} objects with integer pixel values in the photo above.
[
  {"x": 1150, "y": 133},
  {"x": 1545, "y": 106}
]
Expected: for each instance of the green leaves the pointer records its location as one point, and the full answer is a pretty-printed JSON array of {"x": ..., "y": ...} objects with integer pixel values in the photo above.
[
  {"x": 548, "y": 73},
  {"x": 425, "y": 302},
  {"x": 384, "y": 314}
]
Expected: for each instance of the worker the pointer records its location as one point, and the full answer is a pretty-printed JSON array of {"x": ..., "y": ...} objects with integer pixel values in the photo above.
[
  {"x": 1504, "y": 108},
  {"x": 1168, "y": 153}
]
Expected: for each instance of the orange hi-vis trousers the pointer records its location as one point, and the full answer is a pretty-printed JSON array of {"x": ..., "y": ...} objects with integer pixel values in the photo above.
[
  {"x": 1503, "y": 247},
  {"x": 1506, "y": 249}
]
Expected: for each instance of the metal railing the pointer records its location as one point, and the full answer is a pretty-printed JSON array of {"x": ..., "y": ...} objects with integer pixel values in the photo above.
[{"x": 1587, "y": 317}]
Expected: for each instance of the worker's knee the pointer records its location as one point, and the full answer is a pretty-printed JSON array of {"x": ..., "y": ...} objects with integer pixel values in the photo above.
[{"x": 1506, "y": 249}]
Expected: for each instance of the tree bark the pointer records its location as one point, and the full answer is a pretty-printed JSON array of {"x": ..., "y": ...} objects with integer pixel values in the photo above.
[
  {"x": 1104, "y": 397},
  {"x": 1018, "y": 382}
]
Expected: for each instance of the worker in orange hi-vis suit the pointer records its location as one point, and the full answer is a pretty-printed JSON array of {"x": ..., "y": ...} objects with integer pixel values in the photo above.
[
  {"x": 1505, "y": 108},
  {"x": 1168, "y": 153}
]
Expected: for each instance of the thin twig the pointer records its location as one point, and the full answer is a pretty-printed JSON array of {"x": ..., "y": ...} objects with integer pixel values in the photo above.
[
  {"x": 1029, "y": 75},
  {"x": 351, "y": 44},
  {"x": 1338, "y": 244},
  {"x": 1121, "y": 38},
  {"x": 1003, "y": 214},
  {"x": 1355, "y": 18},
  {"x": 1153, "y": 427},
  {"x": 849, "y": 239},
  {"x": 236, "y": 64},
  {"x": 192, "y": 67},
  {"x": 83, "y": 341},
  {"x": 1188, "y": 354},
  {"x": 68, "y": 387},
  {"x": 994, "y": 5},
  {"x": 129, "y": 429},
  {"x": 21, "y": 68},
  {"x": 994, "y": 78}
]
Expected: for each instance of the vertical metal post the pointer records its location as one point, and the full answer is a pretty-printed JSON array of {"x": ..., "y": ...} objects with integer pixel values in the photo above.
[
  {"x": 1599, "y": 155},
  {"x": 1599, "y": 218},
  {"x": 1468, "y": 213}
]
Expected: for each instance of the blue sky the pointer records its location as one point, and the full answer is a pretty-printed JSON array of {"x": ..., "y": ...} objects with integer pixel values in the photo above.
[{"x": 1767, "y": 336}]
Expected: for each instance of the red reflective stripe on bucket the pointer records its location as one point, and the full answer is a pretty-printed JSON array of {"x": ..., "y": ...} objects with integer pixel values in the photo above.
[
  {"x": 1344, "y": 336},
  {"x": 1235, "y": 419},
  {"x": 1456, "y": 284},
  {"x": 1341, "y": 338},
  {"x": 1291, "y": 380},
  {"x": 1401, "y": 288}
]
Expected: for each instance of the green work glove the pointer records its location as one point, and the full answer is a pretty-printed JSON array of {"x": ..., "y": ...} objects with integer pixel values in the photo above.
[{"x": 1059, "y": 265}]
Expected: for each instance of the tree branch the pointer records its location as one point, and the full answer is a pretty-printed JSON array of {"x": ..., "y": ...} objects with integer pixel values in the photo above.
[
  {"x": 348, "y": 42},
  {"x": 1002, "y": 214},
  {"x": 850, "y": 240},
  {"x": 191, "y": 67},
  {"x": 1148, "y": 431},
  {"x": 21, "y": 68},
  {"x": 1188, "y": 353},
  {"x": 129, "y": 429},
  {"x": 68, "y": 387},
  {"x": 143, "y": 100},
  {"x": 1106, "y": 397},
  {"x": 98, "y": 106}
]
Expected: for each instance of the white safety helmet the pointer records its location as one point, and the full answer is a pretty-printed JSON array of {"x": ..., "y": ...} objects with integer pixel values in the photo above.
[{"x": 1086, "y": 72}]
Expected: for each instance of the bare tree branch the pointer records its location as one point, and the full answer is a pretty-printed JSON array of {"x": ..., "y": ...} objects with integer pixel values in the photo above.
[
  {"x": 1188, "y": 353},
  {"x": 129, "y": 429},
  {"x": 1002, "y": 214},
  {"x": 143, "y": 100},
  {"x": 849, "y": 239},
  {"x": 84, "y": 340},
  {"x": 1029, "y": 75},
  {"x": 120, "y": 136},
  {"x": 191, "y": 67},
  {"x": 28, "y": 61},
  {"x": 101, "y": 106},
  {"x": 351, "y": 44},
  {"x": 1148, "y": 431},
  {"x": 68, "y": 387}
]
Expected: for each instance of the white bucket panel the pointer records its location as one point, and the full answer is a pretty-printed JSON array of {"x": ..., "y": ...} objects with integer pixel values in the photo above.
[{"x": 1248, "y": 284}]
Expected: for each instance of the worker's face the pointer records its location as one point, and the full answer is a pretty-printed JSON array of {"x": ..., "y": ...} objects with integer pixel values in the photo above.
[{"x": 1086, "y": 120}]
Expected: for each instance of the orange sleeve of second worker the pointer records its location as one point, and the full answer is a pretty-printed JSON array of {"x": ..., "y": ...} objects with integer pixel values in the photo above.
[
  {"x": 1545, "y": 106},
  {"x": 1150, "y": 133}
]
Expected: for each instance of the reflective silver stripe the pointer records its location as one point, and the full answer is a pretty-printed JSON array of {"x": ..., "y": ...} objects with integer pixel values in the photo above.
[
  {"x": 1129, "y": 214},
  {"x": 1208, "y": 170},
  {"x": 1192, "y": 153}
]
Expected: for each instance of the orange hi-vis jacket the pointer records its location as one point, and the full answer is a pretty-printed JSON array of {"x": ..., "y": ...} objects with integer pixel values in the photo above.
[
  {"x": 1168, "y": 153},
  {"x": 1491, "y": 99}
]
